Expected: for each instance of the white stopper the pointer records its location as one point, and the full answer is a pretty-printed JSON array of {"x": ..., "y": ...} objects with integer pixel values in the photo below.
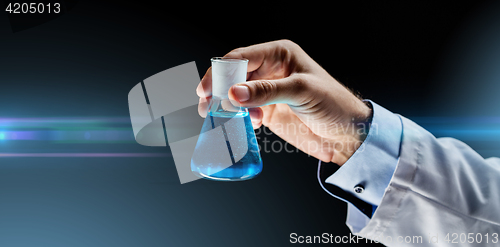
[{"x": 227, "y": 72}]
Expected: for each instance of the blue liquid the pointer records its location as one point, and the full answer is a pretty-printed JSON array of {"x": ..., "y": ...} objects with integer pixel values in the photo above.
[{"x": 228, "y": 153}]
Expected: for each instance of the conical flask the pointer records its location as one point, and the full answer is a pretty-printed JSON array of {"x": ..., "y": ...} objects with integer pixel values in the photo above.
[{"x": 227, "y": 148}]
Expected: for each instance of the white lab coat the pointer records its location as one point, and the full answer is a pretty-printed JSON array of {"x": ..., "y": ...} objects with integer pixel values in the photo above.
[{"x": 441, "y": 189}]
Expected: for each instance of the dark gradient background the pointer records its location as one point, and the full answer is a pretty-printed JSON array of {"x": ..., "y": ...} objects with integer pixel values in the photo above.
[{"x": 433, "y": 61}]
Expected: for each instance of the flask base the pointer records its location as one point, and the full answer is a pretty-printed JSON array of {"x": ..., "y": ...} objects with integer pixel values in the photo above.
[{"x": 224, "y": 177}]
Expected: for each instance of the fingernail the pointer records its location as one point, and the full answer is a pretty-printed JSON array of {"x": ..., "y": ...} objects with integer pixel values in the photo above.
[
  {"x": 242, "y": 93},
  {"x": 254, "y": 115}
]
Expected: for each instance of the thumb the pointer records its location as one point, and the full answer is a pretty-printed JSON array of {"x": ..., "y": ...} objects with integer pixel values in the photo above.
[{"x": 290, "y": 90}]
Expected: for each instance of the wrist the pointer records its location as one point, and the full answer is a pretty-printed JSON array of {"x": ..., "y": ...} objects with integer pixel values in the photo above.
[
  {"x": 360, "y": 123},
  {"x": 363, "y": 122}
]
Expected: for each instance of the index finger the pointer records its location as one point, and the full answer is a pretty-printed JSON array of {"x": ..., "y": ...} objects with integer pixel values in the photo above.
[
  {"x": 271, "y": 60},
  {"x": 265, "y": 61},
  {"x": 204, "y": 89}
]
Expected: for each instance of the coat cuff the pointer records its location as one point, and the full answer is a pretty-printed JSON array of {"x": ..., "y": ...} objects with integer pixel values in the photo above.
[{"x": 366, "y": 175}]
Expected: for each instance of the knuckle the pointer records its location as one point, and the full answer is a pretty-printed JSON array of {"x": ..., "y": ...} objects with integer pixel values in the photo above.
[
  {"x": 288, "y": 44},
  {"x": 265, "y": 89},
  {"x": 302, "y": 89},
  {"x": 300, "y": 83},
  {"x": 235, "y": 53}
]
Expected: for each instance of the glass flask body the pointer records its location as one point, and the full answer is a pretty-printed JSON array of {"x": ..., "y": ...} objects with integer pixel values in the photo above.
[{"x": 227, "y": 147}]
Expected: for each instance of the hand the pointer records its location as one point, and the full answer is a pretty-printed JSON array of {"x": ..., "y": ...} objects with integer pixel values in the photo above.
[{"x": 294, "y": 97}]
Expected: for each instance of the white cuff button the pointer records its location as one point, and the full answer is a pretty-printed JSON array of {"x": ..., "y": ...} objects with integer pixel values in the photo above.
[{"x": 359, "y": 189}]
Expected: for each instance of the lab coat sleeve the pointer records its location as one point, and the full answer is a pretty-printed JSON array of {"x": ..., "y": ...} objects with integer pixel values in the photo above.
[
  {"x": 370, "y": 167},
  {"x": 440, "y": 187}
]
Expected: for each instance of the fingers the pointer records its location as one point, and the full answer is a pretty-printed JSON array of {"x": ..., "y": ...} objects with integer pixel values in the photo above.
[
  {"x": 204, "y": 89},
  {"x": 268, "y": 60},
  {"x": 256, "y": 115},
  {"x": 255, "y": 54},
  {"x": 203, "y": 105},
  {"x": 292, "y": 90}
]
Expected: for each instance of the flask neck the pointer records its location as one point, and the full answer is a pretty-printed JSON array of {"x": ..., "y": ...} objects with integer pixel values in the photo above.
[
  {"x": 223, "y": 106},
  {"x": 226, "y": 72}
]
